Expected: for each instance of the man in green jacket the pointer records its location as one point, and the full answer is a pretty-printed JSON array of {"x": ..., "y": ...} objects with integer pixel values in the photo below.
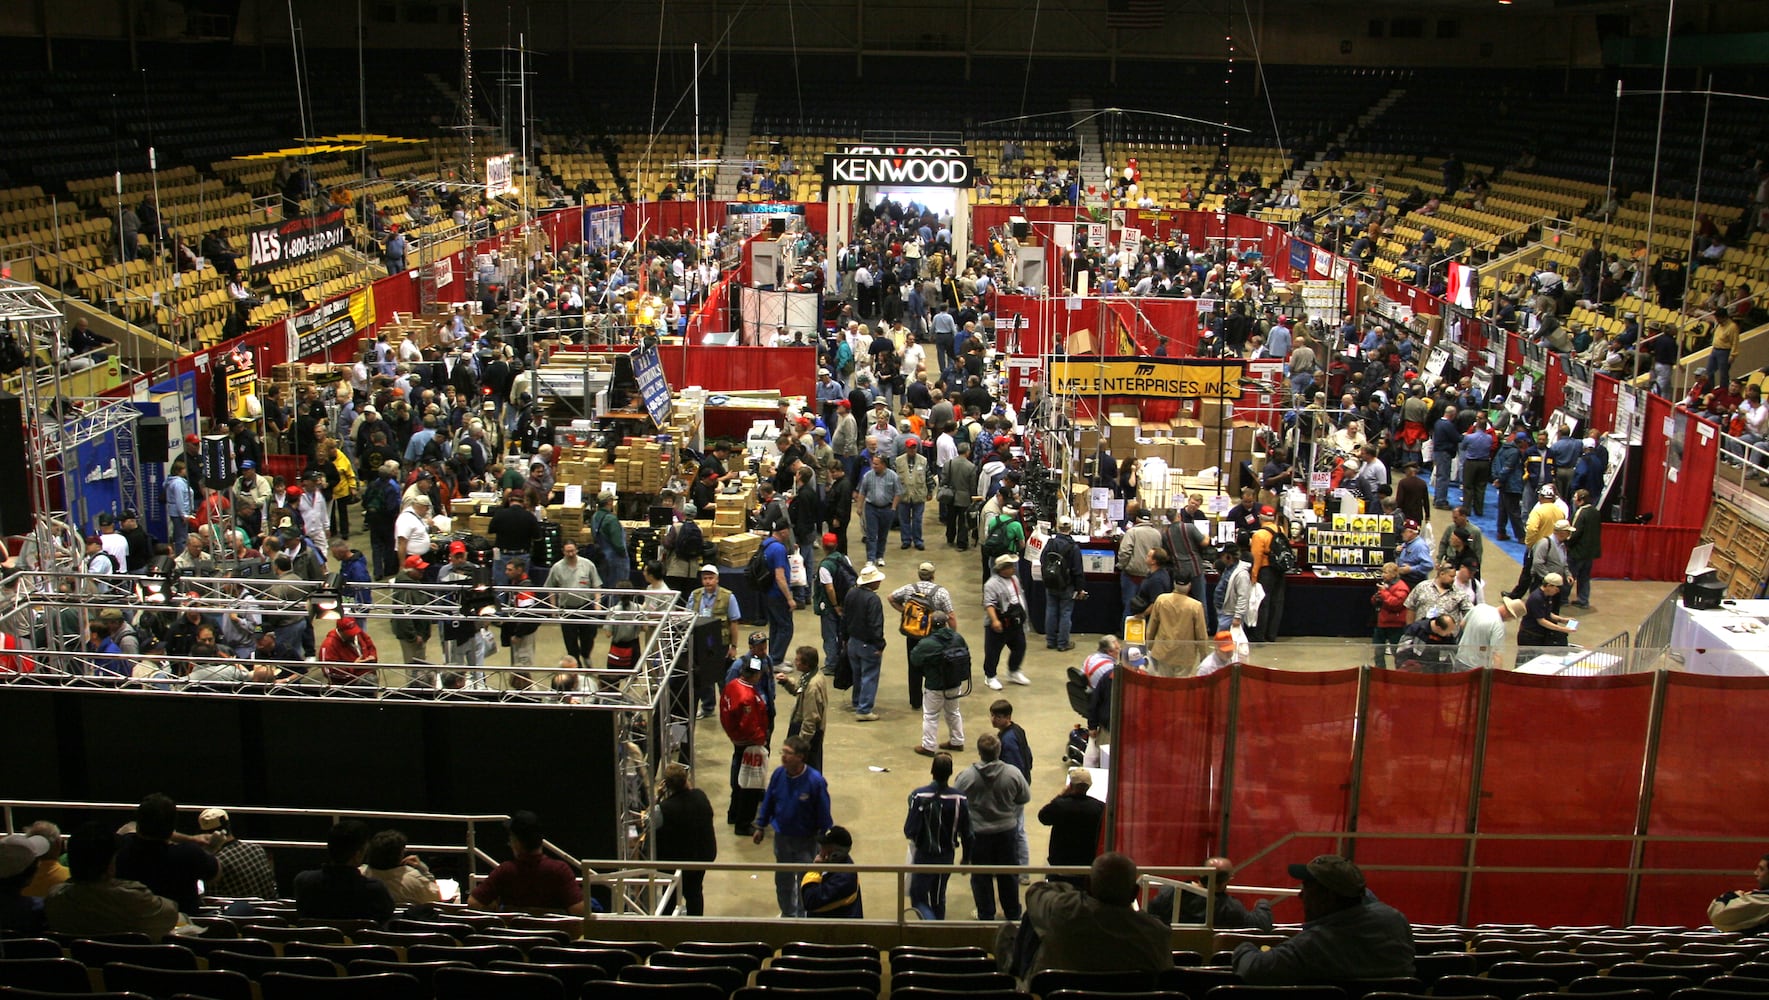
[{"x": 943, "y": 657}]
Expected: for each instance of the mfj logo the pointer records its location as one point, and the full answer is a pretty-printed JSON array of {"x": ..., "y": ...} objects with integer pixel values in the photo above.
[{"x": 1145, "y": 369}]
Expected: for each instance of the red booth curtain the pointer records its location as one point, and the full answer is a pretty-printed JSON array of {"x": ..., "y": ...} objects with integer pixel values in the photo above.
[
  {"x": 1167, "y": 789},
  {"x": 1293, "y": 741},
  {"x": 1563, "y": 755},
  {"x": 1418, "y": 764},
  {"x": 1705, "y": 784},
  {"x": 1677, "y": 466},
  {"x": 791, "y": 370}
]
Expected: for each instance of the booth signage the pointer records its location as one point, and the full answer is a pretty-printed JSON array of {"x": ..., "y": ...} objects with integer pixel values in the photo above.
[
  {"x": 500, "y": 175},
  {"x": 1157, "y": 378},
  {"x": 332, "y": 323},
  {"x": 921, "y": 166},
  {"x": 1363, "y": 541},
  {"x": 653, "y": 386},
  {"x": 297, "y": 239}
]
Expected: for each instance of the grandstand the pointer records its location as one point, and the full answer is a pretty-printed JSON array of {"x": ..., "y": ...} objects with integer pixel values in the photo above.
[{"x": 451, "y": 765}]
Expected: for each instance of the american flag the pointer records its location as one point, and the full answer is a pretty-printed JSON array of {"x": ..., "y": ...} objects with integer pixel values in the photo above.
[{"x": 1136, "y": 14}]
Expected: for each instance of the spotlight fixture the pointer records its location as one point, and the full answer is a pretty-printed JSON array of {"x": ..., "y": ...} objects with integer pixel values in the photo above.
[
  {"x": 327, "y": 603},
  {"x": 479, "y": 599},
  {"x": 158, "y": 587}
]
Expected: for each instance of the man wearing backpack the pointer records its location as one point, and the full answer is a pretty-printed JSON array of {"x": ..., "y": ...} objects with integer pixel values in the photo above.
[
  {"x": 941, "y": 663},
  {"x": 835, "y": 577},
  {"x": 1061, "y": 567},
  {"x": 609, "y": 537},
  {"x": 1272, "y": 559},
  {"x": 1133, "y": 554},
  {"x": 937, "y": 824},
  {"x": 1004, "y": 535},
  {"x": 918, "y": 603}
]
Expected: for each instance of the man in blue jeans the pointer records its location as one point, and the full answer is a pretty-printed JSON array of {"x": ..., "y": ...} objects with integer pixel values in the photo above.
[
  {"x": 778, "y": 603},
  {"x": 997, "y": 795},
  {"x": 796, "y": 806},
  {"x": 863, "y": 613},
  {"x": 1445, "y": 440},
  {"x": 880, "y": 490}
]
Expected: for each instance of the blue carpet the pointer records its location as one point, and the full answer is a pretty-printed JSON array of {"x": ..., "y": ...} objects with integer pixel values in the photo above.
[{"x": 1489, "y": 524}]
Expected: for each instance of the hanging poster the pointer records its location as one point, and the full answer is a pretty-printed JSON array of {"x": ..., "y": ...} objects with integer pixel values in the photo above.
[{"x": 654, "y": 388}]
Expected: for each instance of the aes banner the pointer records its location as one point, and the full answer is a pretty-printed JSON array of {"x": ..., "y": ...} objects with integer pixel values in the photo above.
[
  {"x": 1156, "y": 378},
  {"x": 296, "y": 239},
  {"x": 923, "y": 166}
]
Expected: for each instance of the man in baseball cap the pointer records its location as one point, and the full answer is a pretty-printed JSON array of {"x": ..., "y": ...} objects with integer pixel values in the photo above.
[{"x": 1347, "y": 934}]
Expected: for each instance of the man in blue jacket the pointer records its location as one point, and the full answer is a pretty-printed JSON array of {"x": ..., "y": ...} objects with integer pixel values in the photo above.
[
  {"x": 833, "y": 891},
  {"x": 1446, "y": 439},
  {"x": 796, "y": 805}
]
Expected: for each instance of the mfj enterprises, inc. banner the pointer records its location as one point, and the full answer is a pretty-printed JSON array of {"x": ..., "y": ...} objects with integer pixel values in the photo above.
[{"x": 1155, "y": 378}]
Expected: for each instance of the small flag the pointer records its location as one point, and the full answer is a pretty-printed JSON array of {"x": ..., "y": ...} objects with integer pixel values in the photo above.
[
  {"x": 1461, "y": 284},
  {"x": 1135, "y": 14}
]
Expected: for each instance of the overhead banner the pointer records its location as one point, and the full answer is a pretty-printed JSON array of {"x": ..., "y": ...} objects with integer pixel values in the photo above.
[
  {"x": 332, "y": 323},
  {"x": 654, "y": 388},
  {"x": 296, "y": 239},
  {"x": 500, "y": 175},
  {"x": 1155, "y": 378},
  {"x": 916, "y": 166}
]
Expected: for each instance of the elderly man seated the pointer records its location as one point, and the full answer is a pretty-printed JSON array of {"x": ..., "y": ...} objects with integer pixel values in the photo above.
[
  {"x": 1346, "y": 933},
  {"x": 1098, "y": 930}
]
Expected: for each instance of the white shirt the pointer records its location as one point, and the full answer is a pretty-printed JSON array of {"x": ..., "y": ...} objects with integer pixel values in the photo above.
[
  {"x": 409, "y": 351},
  {"x": 416, "y": 533},
  {"x": 914, "y": 360},
  {"x": 945, "y": 450},
  {"x": 115, "y": 546},
  {"x": 1483, "y": 632}
]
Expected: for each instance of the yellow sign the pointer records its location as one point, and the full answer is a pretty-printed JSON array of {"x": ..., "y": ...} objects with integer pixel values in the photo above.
[
  {"x": 1156, "y": 378},
  {"x": 240, "y": 385}
]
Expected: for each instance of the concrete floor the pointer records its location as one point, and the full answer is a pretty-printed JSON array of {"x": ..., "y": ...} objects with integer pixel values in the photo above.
[{"x": 871, "y": 803}]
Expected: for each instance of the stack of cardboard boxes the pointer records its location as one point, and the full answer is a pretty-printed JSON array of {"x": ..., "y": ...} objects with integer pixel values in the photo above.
[{"x": 640, "y": 466}]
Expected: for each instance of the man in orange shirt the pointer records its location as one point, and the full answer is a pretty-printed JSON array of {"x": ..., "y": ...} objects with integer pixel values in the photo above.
[{"x": 1271, "y": 611}]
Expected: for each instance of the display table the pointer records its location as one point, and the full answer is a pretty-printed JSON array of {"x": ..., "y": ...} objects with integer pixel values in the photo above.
[
  {"x": 1575, "y": 662},
  {"x": 1731, "y": 640},
  {"x": 1313, "y": 606},
  {"x": 736, "y": 580}
]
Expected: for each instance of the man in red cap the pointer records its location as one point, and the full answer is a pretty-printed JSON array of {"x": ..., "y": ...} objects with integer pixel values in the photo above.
[
  {"x": 914, "y": 475},
  {"x": 412, "y": 630},
  {"x": 348, "y": 644},
  {"x": 844, "y": 440},
  {"x": 462, "y": 640},
  {"x": 835, "y": 574}
]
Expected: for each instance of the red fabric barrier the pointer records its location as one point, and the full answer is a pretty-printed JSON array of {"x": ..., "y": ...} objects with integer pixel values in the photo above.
[
  {"x": 1167, "y": 790},
  {"x": 791, "y": 370},
  {"x": 1677, "y": 469},
  {"x": 1645, "y": 552},
  {"x": 1554, "y": 387},
  {"x": 1417, "y": 767},
  {"x": 1698, "y": 792},
  {"x": 1292, "y": 765},
  {"x": 1564, "y": 756},
  {"x": 1604, "y": 392},
  {"x": 1416, "y": 298}
]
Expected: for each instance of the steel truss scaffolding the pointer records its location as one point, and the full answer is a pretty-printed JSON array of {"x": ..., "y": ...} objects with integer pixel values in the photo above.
[{"x": 48, "y": 610}]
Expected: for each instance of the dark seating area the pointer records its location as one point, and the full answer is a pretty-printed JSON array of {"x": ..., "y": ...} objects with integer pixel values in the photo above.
[{"x": 532, "y": 962}]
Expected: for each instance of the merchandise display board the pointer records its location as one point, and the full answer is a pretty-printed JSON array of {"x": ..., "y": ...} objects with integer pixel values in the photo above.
[{"x": 1351, "y": 542}]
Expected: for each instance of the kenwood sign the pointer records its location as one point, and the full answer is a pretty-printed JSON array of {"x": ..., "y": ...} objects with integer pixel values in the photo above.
[{"x": 920, "y": 166}]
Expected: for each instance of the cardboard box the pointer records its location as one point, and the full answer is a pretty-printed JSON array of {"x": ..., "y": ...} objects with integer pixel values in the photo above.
[
  {"x": 737, "y": 550},
  {"x": 732, "y": 518},
  {"x": 1123, "y": 435},
  {"x": 1080, "y": 342}
]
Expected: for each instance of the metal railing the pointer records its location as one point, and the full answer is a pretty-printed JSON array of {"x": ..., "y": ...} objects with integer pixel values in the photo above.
[
  {"x": 46, "y": 599},
  {"x": 647, "y": 891},
  {"x": 474, "y": 859},
  {"x": 1345, "y": 842}
]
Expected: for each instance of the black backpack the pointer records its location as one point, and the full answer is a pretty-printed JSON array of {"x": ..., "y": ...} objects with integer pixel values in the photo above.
[
  {"x": 690, "y": 542},
  {"x": 955, "y": 666},
  {"x": 997, "y": 542},
  {"x": 758, "y": 573},
  {"x": 1055, "y": 563},
  {"x": 1280, "y": 556},
  {"x": 841, "y": 577}
]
